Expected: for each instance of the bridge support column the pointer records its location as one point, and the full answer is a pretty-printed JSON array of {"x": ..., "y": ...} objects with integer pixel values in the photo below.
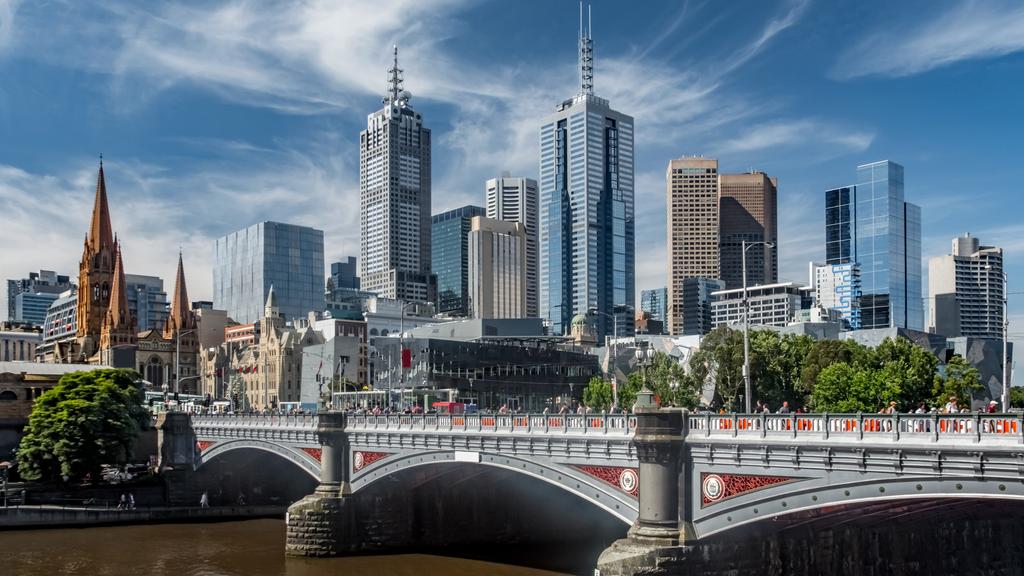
[
  {"x": 323, "y": 523},
  {"x": 654, "y": 541},
  {"x": 176, "y": 457}
]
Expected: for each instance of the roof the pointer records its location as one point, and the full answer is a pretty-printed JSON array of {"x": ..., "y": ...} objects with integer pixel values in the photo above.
[{"x": 44, "y": 368}]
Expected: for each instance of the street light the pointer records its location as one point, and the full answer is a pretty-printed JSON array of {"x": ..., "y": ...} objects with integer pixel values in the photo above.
[
  {"x": 644, "y": 358},
  {"x": 611, "y": 365},
  {"x": 1006, "y": 329},
  {"x": 746, "y": 313},
  {"x": 177, "y": 358}
]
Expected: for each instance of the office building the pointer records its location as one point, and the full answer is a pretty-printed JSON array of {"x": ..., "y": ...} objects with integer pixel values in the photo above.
[
  {"x": 965, "y": 290},
  {"x": 747, "y": 211},
  {"x": 394, "y": 199},
  {"x": 870, "y": 224},
  {"x": 837, "y": 287},
  {"x": 697, "y": 300},
  {"x": 30, "y": 307},
  {"x": 514, "y": 199},
  {"x": 345, "y": 274},
  {"x": 655, "y": 303},
  {"x": 19, "y": 345},
  {"x": 147, "y": 301},
  {"x": 693, "y": 229},
  {"x": 450, "y": 258},
  {"x": 497, "y": 269},
  {"x": 586, "y": 224},
  {"x": 770, "y": 304},
  {"x": 248, "y": 262},
  {"x": 42, "y": 282}
]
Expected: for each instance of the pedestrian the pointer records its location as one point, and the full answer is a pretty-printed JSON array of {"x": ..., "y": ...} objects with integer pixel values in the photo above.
[
  {"x": 204, "y": 500},
  {"x": 951, "y": 407},
  {"x": 784, "y": 409},
  {"x": 123, "y": 503},
  {"x": 921, "y": 409},
  {"x": 131, "y": 501},
  {"x": 992, "y": 407},
  {"x": 580, "y": 409},
  {"x": 892, "y": 408},
  {"x": 759, "y": 408}
]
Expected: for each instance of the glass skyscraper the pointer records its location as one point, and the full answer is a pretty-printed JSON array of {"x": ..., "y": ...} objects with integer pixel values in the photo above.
[
  {"x": 587, "y": 252},
  {"x": 450, "y": 258},
  {"x": 248, "y": 262},
  {"x": 869, "y": 224}
]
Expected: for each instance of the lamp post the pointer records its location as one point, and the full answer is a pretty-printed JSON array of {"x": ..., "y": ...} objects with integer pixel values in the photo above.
[
  {"x": 746, "y": 322},
  {"x": 401, "y": 349},
  {"x": 644, "y": 358},
  {"x": 614, "y": 349},
  {"x": 177, "y": 358},
  {"x": 1005, "y": 399}
]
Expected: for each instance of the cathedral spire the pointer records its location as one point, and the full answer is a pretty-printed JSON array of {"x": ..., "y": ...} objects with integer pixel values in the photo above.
[
  {"x": 118, "y": 314},
  {"x": 181, "y": 315},
  {"x": 586, "y": 54},
  {"x": 100, "y": 233}
]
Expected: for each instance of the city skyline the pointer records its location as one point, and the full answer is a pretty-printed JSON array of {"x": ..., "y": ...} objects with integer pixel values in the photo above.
[{"x": 154, "y": 223}]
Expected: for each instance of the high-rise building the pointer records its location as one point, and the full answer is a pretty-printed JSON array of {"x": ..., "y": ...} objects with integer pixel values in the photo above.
[
  {"x": 837, "y": 287},
  {"x": 514, "y": 199},
  {"x": 497, "y": 269},
  {"x": 394, "y": 199},
  {"x": 31, "y": 307},
  {"x": 693, "y": 229},
  {"x": 147, "y": 301},
  {"x": 655, "y": 303},
  {"x": 248, "y": 262},
  {"x": 747, "y": 211},
  {"x": 586, "y": 227},
  {"x": 42, "y": 282},
  {"x": 345, "y": 274},
  {"x": 450, "y": 258},
  {"x": 870, "y": 224},
  {"x": 698, "y": 300},
  {"x": 965, "y": 290},
  {"x": 769, "y": 304}
]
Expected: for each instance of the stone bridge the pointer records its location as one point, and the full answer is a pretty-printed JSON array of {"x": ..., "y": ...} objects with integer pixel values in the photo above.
[{"x": 674, "y": 477}]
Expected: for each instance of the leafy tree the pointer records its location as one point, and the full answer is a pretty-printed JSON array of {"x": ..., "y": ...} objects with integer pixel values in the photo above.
[
  {"x": 1017, "y": 396},
  {"x": 88, "y": 419},
  {"x": 845, "y": 388},
  {"x": 720, "y": 361},
  {"x": 825, "y": 353},
  {"x": 667, "y": 379},
  {"x": 776, "y": 362},
  {"x": 598, "y": 394},
  {"x": 961, "y": 380},
  {"x": 911, "y": 369}
]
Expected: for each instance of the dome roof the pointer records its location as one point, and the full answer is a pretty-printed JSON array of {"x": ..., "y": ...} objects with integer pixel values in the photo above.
[{"x": 579, "y": 320}]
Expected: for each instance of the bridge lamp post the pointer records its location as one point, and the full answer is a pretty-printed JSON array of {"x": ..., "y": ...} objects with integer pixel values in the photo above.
[
  {"x": 746, "y": 322},
  {"x": 645, "y": 358}
]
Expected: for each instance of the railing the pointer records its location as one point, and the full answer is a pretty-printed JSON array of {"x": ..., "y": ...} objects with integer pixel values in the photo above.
[
  {"x": 300, "y": 421},
  {"x": 923, "y": 427},
  {"x": 567, "y": 424}
]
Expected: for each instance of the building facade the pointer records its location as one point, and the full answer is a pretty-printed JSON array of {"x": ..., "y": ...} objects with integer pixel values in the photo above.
[
  {"x": 965, "y": 290},
  {"x": 514, "y": 199},
  {"x": 586, "y": 223},
  {"x": 748, "y": 211},
  {"x": 30, "y": 307},
  {"x": 837, "y": 287},
  {"x": 345, "y": 274},
  {"x": 693, "y": 229},
  {"x": 655, "y": 303},
  {"x": 147, "y": 301},
  {"x": 498, "y": 269},
  {"x": 450, "y": 258},
  {"x": 394, "y": 199},
  {"x": 871, "y": 225},
  {"x": 19, "y": 345},
  {"x": 42, "y": 282},
  {"x": 170, "y": 355},
  {"x": 248, "y": 262},
  {"x": 769, "y": 305},
  {"x": 697, "y": 300}
]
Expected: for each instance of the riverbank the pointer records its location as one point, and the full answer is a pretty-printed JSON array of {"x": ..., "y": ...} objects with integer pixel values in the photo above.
[{"x": 51, "y": 516}]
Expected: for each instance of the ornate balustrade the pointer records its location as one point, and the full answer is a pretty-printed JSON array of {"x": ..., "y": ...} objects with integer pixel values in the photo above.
[{"x": 622, "y": 425}]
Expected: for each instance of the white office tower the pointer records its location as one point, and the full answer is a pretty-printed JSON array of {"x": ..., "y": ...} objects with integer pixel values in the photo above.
[
  {"x": 837, "y": 287},
  {"x": 965, "y": 290},
  {"x": 394, "y": 199},
  {"x": 497, "y": 268},
  {"x": 514, "y": 199},
  {"x": 587, "y": 251}
]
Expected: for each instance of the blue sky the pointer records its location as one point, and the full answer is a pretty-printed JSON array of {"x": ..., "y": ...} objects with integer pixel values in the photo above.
[{"x": 213, "y": 115}]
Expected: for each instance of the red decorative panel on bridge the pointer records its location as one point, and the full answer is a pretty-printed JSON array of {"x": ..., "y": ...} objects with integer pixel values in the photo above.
[
  {"x": 625, "y": 479},
  {"x": 314, "y": 452},
  {"x": 361, "y": 460},
  {"x": 204, "y": 444},
  {"x": 717, "y": 487}
]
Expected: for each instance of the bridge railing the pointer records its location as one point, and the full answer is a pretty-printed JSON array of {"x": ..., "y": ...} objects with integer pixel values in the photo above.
[
  {"x": 299, "y": 421},
  {"x": 977, "y": 427},
  {"x": 572, "y": 424}
]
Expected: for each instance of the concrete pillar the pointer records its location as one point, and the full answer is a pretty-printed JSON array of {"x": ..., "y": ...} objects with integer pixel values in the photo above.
[
  {"x": 176, "y": 458},
  {"x": 653, "y": 543},
  {"x": 334, "y": 469}
]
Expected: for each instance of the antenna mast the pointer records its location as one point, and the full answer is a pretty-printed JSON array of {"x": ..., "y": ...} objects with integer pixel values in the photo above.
[
  {"x": 395, "y": 91},
  {"x": 586, "y": 54}
]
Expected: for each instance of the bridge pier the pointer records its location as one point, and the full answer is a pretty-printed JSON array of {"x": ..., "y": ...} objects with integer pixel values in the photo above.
[
  {"x": 654, "y": 541},
  {"x": 176, "y": 455}
]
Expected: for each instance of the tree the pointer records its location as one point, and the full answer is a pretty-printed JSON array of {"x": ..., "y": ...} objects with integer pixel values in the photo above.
[
  {"x": 845, "y": 388},
  {"x": 824, "y": 353},
  {"x": 667, "y": 379},
  {"x": 720, "y": 361},
  {"x": 961, "y": 380},
  {"x": 911, "y": 368},
  {"x": 1017, "y": 396},
  {"x": 776, "y": 361},
  {"x": 87, "y": 420},
  {"x": 598, "y": 394}
]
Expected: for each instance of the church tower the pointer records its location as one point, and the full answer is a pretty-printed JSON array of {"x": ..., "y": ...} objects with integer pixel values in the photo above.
[
  {"x": 96, "y": 274},
  {"x": 118, "y": 325},
  {"x": 181, "y": 317}
]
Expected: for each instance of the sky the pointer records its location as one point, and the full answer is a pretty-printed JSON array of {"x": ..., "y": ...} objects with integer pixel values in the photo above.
[{"x": 217, "y": 114}]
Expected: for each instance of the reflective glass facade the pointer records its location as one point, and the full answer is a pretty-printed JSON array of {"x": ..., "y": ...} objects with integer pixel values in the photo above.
[
  {"x": 248, "y": 262},
  {"x": 869, "y": 224},
  {"x": 450, "y": 258}
]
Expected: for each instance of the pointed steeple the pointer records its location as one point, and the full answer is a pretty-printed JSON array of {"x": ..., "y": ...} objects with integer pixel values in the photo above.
[
  {"x": 100, "y": 232},
  {"x": 118, "y": 314},
  {"x": 181, "y": 314},
  {"x": 270, "y": 310},
  {"x": 586, "y": 54}
]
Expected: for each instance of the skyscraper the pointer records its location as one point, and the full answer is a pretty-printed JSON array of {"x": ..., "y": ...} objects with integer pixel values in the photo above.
[
  {"x": 42, "y": 282},
  {"x": 147, "y": 301},
  {"x": 497, "y": 269},
  {"x": 345, "y": 274},
  {"x": 394, "y": 199},
  {"x": 870, "y": 224},
  {"x": 747, "y": 211},
  {"x": 514, "y": 199},
  {"x": 586, "y": 228},
  {"x": 248, "y": 262},
  {"x": 450, "y": 258},
  {"x": 655, "y": 303},
  {"x": 965, "y": 290},
  {"x": 693, "y": 229}
]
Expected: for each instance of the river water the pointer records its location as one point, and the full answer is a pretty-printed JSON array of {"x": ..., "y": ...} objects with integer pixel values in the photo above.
[{"x": 246, "y": 548}]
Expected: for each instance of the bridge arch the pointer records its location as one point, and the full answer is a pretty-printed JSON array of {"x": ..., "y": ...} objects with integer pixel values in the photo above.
[
  {"x": 304, "y": 461},
  {"x": 600, "y": 494}
]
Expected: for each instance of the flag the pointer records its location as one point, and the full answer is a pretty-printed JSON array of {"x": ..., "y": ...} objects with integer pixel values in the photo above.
[
  {"x": 318, "y": 369},
  {"x": 406, "y": 358}
]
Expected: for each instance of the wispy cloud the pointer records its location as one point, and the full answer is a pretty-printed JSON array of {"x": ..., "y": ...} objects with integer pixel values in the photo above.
[
  {"x": 793, "y": 134},
  {"x": 8, "y": 8},
  {"x": 968, "y": 31}
]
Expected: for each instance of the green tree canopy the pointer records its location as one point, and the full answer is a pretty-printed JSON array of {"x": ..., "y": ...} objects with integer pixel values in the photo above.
[
  {"x": 597, "y": 395},
  {"x": 667, "y": 379},
  {"x": 720, "y": 361},
  {"x": 87, "y": 420},
  {"x": 961, "y": 380}
]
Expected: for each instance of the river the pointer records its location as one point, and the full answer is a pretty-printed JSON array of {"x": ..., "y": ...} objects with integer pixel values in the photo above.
[{"x": 245, "y": 548}]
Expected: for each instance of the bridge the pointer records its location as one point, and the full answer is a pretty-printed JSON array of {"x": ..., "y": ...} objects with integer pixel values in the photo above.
[{"x": 674, "y": 477}]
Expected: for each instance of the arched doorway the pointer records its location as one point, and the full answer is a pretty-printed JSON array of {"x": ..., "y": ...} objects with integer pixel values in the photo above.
[{"x": 155, "y": 371}]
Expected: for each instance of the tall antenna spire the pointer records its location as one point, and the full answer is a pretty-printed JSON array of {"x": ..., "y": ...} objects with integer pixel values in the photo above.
[
  {"x": 586, "y": 54},
  {"x": 395, "y": 91}
]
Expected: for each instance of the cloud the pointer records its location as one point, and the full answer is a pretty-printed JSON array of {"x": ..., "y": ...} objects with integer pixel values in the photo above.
[
  {"x": 796, "y": 133},
  {"x": 8, "y": 8},
  {"x": 969, "y": 31}
]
